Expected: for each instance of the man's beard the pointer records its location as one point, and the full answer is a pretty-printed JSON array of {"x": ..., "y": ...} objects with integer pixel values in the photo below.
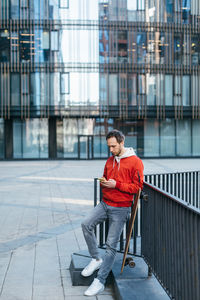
[{"x": 118, "y": 154}]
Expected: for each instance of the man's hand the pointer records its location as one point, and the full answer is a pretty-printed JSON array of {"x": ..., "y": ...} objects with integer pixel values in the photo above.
[{"x": 110, "y": 184}]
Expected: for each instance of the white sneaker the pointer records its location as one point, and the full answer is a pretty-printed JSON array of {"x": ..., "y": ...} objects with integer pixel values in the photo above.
[
  {"x": 95, "y": 288},
  {"x": 91, "y": 267}
]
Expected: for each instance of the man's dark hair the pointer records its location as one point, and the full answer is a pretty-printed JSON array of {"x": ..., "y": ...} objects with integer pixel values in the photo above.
[{"x": 117, "y": 134}]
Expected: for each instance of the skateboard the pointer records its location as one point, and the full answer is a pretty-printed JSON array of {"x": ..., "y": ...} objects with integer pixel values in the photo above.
[{"x": 129, "y": 260}]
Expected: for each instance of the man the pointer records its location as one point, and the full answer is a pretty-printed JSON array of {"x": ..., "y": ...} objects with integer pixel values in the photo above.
[{"x": 122, "y": 178}]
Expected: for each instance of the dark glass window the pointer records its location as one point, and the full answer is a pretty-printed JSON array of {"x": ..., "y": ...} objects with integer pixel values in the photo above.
[
  {"x": 141, "y": 47},
  {"x": 4, "y": 46},
  {"x": 24, "y": 3},
  {"x": 103, "y": 45},
  {"x": 122, "y": 46},
  {"x": 14, "y": 11},
  {"x": 186, "y": 7},
  {"x": 15, "y": 89},
  {"x": 169, "y": 10},
  {"x": 195, "y": 49},
  {"x": 177, "y": 49},
  {"x": 25, "y": 44}
]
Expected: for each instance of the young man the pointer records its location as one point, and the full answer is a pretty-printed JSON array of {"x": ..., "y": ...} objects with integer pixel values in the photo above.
[{"x": 122, "y": 178}]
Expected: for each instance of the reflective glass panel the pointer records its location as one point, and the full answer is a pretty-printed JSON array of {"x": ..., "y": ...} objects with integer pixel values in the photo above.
[
  {"x": 100, "y": 147},
  {"x": 151, "y": 138},
  {"x": 15, "y": 89},
  {"x": 167, "y": 138},
  {"x": 113, "y": 89},
  {"x": 183, "y": 137},
  {"x": 4, "y": 46},
  {"x": 196, "y": 137},
  {"x": 186, "y": 90},
  {"x": 141, "y": 47},
  {"x": 168, "y": 90},
  {"x": 151, "y": 89},
  {"x": 30, "y": 138}
]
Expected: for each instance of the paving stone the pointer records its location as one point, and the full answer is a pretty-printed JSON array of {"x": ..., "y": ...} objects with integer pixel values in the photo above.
[{"x": 42, "y": 204}]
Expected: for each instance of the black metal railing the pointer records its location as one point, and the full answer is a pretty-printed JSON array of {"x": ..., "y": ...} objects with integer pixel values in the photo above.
[
  {"x": 183, "y": 185},
  {"x": 170, "y": 242},
  {"x": 166, "y": 231}
]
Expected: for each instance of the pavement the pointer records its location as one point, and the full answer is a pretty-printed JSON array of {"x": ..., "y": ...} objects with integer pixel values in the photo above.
[{"x": 42, "y": 204}]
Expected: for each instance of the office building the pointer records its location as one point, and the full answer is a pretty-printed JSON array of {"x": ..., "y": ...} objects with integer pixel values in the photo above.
[{"x": 71, "y": 70}]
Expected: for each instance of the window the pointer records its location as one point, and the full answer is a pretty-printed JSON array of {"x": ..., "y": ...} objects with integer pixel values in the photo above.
[
  {"x": 35, "y": 82},
  {"x": 183, "y": 137},
  {"x": 64, "y": 3},
  {"x": 25, "y": 84},
  {"x": 186, "y": 90},
  {"x": 151, "y": 138},
  {"x": 186, "y": 7},
  {"x": 24, "y": 3},
  {"x": 30, "y": 138},
  {"x": 167, "y": 137},
  {"x": 113, "y": 89},
  {"x": 15, "y": 89},
  {"x": 64, "y": 83},
  {"x": 103, "y": 45},
  {"x": 195, "y": 49},
  {"x": 151, "y": 89},
  {"x": 55, "y": 88},
  {"x": 4, "y": 46},
  {"x": 169, "y": 10},
  {"x": 135, "y": 10},
  {"x": 141, "y": 47},
  {"x": 177, "y": 90},
  {"x": 168, "y": 90},
  {"x": 14, "y": 10},
  {"x": 103, "y": 80},
  {"x": 54, "y": 40},
  {"x": 132, "y": 91},
  {"x": 141, "y": 85},
  {"x": 25, "y": 44},
  {"x": 196, "y": 137},
  {"x": 122, "y": 46},
  {"x": 177, "y": 49}
]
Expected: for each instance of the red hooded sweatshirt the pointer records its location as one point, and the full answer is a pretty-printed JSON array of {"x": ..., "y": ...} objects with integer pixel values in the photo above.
[{"x": 127, "y": 171}]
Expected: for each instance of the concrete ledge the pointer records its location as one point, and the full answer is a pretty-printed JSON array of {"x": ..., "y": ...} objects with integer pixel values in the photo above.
[
  {"x": 77, "y": 264},
  {"x": 134, "y": 283}
]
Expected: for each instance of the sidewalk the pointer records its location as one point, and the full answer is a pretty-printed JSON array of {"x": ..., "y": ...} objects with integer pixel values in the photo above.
[{"x": 42, "y": 204}]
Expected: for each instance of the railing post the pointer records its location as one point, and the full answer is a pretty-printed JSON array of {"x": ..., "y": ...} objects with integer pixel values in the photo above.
[
  {"x": 95, "y": 191},
  {"x": 149, "y": 271}
]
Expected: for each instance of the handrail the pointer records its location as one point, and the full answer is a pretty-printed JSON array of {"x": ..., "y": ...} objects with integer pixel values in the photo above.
[{"x": 174, "y": 198}]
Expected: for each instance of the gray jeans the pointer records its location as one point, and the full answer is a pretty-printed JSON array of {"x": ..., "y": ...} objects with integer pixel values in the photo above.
[{"x": 117, "y": 216}]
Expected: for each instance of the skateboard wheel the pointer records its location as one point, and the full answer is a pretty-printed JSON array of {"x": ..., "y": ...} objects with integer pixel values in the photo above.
[{"x": 131, "y": 264}]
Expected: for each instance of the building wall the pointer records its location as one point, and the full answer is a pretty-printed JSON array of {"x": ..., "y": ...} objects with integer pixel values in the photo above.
[{"x": 72, "y": 70}]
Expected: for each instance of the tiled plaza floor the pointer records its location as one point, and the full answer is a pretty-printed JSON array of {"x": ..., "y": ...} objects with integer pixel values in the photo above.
[{"x": 42, "y": 204}]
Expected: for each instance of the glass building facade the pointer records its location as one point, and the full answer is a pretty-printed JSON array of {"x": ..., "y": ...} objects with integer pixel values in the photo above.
[{"x": 72, "y": 70}]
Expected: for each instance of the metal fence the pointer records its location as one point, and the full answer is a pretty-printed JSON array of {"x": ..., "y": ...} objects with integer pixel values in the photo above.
[
  {"x": 166, "y": 231},
  {"x": 171, "y": 243},
  {"x": 184, "y": 185}
]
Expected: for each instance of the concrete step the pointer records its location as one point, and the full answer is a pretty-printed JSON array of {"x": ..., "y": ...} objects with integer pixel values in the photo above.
[{"x": 133, "y": 283}]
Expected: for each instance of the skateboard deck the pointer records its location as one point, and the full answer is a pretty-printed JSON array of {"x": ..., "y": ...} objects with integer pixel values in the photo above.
[{"x": 129, "y": 261}]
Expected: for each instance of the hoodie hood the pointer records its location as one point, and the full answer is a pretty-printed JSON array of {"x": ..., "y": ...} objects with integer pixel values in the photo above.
[{"x": 128, "y": 152}]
